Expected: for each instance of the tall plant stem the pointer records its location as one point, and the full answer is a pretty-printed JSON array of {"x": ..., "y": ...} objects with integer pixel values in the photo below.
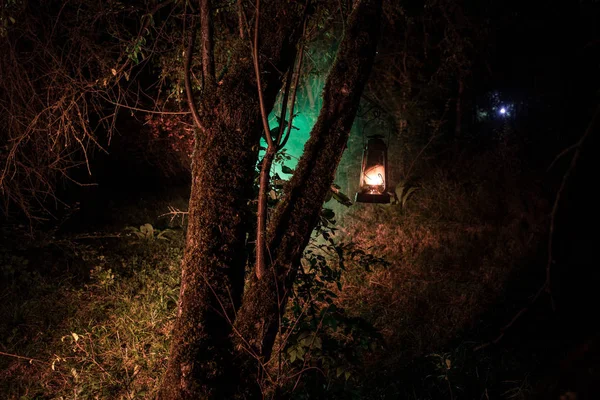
[
  {"x": 272, "y": 145},
  {"x": 267, "y": 160}
]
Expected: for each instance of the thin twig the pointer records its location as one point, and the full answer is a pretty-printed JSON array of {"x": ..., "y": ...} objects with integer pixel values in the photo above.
[
  {"x": 562, "y": 153},
  {"x": 148, "y": 111},
  {"x": 30, "y": 359}
]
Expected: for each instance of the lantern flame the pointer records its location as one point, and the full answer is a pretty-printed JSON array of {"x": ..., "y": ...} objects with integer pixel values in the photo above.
[{"x": 374, "y": 175}]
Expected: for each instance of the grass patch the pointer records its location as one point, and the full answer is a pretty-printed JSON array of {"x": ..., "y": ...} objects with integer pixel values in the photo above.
[{"x": 101, "y": 333}]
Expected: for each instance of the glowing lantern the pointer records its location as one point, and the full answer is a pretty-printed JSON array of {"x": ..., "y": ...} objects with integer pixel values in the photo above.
[{"x": 373, "y": 177}]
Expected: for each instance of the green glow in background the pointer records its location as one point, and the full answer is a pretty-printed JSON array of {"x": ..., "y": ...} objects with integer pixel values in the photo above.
[
  {"x": 307, "y": 108},
  {"x": 306, "y": 116}
]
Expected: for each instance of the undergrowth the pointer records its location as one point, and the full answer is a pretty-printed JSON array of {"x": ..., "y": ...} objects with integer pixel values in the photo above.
[
  {"x": 100, "y": 333},
  {"x": 454, "y": 249},
  {"x": 389, "y": 303}
]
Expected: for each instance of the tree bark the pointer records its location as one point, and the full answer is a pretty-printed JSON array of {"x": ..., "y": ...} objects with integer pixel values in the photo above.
[
  {"x": 295, "y": 217},
  {"x": 222, "y": 181}
]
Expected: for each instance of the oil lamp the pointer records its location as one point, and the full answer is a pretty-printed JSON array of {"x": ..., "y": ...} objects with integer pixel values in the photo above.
[{"x": 373, "y": 177}]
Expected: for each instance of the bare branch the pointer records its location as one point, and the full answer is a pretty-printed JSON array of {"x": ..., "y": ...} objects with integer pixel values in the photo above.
[
  {"x": 281, "y": 143},
  {"x": 241, "y": 18},
  {"x": 561, "y": 154},
  {"x": 592, "y": 126},
  {"x": 284, "y": 105},
  {"x": 188, "y": 85},
  {"x": 30, "y": 359},
  {"x": 208, "y": 56},
  {"x": 148, "y": 111},
  {"x": 263, "y": 111}
]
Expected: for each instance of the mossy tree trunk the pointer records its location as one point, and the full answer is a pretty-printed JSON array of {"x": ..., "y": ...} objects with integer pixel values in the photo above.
[
  {"x": 296, "y": 216},
  {"x": 222, "y": 185}
]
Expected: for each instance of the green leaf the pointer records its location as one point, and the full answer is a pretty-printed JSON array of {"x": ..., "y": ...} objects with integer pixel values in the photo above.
[
  {"x": 328, "y": 213},
  {"x": 342, "y": 199},
  {"x": 300, "y": 353},
  {"x": 147, "y": 230},
  {"x": 163, "y": 235},
  {"x": 407, "y": 195},
  {"x": 399, "y": 191},
  {"x": 286, "y": 170},
  {"x": 403, "y": 192},
  {"x": 317, "y": 344}
]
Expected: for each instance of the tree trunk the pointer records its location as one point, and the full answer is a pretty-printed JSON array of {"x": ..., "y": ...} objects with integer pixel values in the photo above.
[
  {"x": 222, "y": 182},
  {"x": 213, "y": 264},
  {"x": 295, "y": 217}
]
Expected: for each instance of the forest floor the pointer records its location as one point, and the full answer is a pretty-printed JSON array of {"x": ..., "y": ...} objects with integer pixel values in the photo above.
[{"x": 86, "y": 311}]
